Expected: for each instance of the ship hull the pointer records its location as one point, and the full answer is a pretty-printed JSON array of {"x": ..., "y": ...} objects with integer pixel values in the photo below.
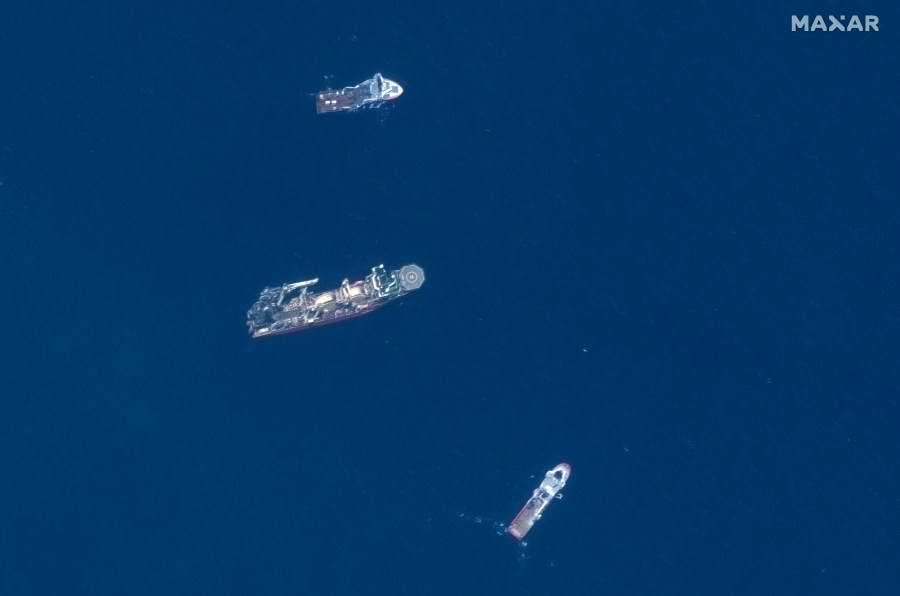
[
  {"x": 307, "y": 326},
  {"x": 553, "y": 482},
  {"x": 291, "y": 308},
  {"x": 368, "y": 94}
]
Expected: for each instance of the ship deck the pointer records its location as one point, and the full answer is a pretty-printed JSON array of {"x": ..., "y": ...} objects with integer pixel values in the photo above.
[{"x": 341, "y": 100}]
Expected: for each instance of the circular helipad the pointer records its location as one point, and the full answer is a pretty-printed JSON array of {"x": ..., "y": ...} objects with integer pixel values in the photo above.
[{"x": 411, "y": 277}]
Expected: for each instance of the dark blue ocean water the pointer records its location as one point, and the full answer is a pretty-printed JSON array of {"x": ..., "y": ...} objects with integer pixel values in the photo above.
[{"x": 660, "y": 243}]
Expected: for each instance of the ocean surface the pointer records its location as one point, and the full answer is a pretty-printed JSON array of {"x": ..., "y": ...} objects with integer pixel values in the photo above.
[{"x": 660, "y": 241}]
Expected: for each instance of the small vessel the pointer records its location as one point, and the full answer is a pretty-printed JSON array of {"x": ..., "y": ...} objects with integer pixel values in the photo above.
[
  {"x": 368, "y": 94},
  {"x": 291, "y": 307},
  {"x": 549, "y": 488}
]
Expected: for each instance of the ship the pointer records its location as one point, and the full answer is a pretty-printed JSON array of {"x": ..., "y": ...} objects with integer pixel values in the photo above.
[
  {"x": 549, "y": 488},
  {"x": 292, "y": 307},
  {"x": 368, "y": 94}
]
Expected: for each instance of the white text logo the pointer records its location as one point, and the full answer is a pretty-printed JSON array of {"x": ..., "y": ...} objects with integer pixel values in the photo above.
[{"x": 854, "y": 23}]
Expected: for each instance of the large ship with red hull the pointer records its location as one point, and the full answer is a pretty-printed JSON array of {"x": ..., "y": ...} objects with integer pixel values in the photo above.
[
  {"x": 368, "y": 94},
  {"x": 292, "y": 307},
  {"x": 549, "y": 488}
]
